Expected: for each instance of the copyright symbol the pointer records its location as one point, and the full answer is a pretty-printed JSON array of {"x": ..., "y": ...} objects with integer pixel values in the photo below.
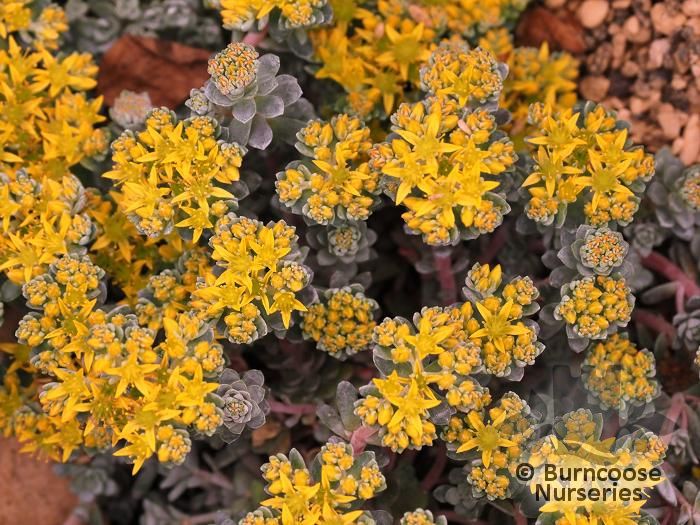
[{"x": 524, "y": 472}]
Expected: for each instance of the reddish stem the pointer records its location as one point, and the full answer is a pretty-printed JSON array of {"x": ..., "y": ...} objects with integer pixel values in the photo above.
[
  {"x": 519, "y": 517},
  {"x": 655, "y": 322},
  {"x": 433, "y": 476},
  {"x": 660, "y": 264},
  {"x": 445, "y": 276},
  {"x": 359, "y": 438},
  {"x": 254, "y": 39},
  {"x": 214, "y": 478},
  {"x": 283, "y": 408},
  {"x": 495, "y": 246}
]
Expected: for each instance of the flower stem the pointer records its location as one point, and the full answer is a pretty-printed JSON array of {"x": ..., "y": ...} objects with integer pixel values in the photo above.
[
  {"x": 445, "y": 275},
  {"x": 519, "y": 517},
  {"x": 660, "y": 264},
  {"x": 359, "y": 438},
  {"x": 655, "y": 322},
  {"x": 495, "y": 245},
  {"x": 283, "y": 408},
  {"x": 433, "y": 476}
]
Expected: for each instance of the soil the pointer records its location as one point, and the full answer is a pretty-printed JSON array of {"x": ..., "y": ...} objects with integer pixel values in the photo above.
[{"x": 30, "y": 491}]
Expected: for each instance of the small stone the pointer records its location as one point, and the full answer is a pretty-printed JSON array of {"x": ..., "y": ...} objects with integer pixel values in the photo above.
[
  {"x": 694, "y": 24},
  {"x": 657, "y": 51},
  {"x": 592, "y": 13},
  {"x": 594, "y": 88},
  {"x": 691, "y": 141},
  {"x": 664, "y": 21},
  {"x": 619, "y": 45},
  {"x": 621, "y": 4},
  {"x": 638, "y": 105},
  {"x": 691, "y": 7},
  {"x": 679, "y": 82},
  {"x": 635, "y": 31},
  {"x": 670, "y": 120}
]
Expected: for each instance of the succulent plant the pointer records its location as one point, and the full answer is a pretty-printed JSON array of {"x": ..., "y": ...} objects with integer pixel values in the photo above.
[
  {"x": 675, "y": 193},
  {"x": 242, "y": 401},
  {"x": 130, "y": 109},
  {"x": 249, "y": 98},
  {"x": 346, "y": 243},
  {"x": 687, "y": 324},
  {"x": 96, "y": 24},
  {"x": 585, "y": 252}
]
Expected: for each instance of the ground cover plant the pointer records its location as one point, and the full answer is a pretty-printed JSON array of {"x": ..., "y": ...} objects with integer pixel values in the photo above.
[{"x": 368, "y": 261}]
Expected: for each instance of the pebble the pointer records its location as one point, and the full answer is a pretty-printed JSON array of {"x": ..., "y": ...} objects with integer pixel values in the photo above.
[
  {"x": 670, "y": 120},
  {"x": 657, "y": 51},
  {"x": 592, "y": 13},
  {"x": 691, "y": 7},
  {"x": 691, "y": 141},
  {"x": 595, "y": 88},
  {"x": 664, "y": 21}
]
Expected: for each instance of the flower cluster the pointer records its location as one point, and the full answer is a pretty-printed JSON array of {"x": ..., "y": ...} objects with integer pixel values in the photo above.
[
  {"x": 40, "y": 27},
  {"x": 342, "y": 323},
  {"x": 47, "y": 123},
  {"x": 495, "y": 319},
  {"x": 375, "y": 52},
  {"x": 111, "y": 382},
  {"x": 442, "y": 164},
  {"x": 587, "y": 252},
  {"x": 285, "y": 14},
  {"x": 347, "y": 243},
  {"x": 335, "y": 184},
  {"x": 576, "y": 442},
  {"x": 422, "y": 517},
  {"x": 127, "y": 256},
  {"x": 469, "y": 76},
  {"x": 40, "y": 220},
  {"x": 594, "y": 307},
  {"x": 168, "y": 293},
  {"x": 427, "y": 366},
  {"x": 584, "y": 160},
  {"x": 433, "y": 351},
  {"x": 618, "y": 374},
  {"x": 130, "y": 110},
  {"x": 259, "y": 278},
  {"x": 175, "y": 174},
  {"x": 248, "y": 98},
  {"x": 497, "y": 440},
  {"x": 534, "y": 75},
  {"x": 329, "y": 492}
]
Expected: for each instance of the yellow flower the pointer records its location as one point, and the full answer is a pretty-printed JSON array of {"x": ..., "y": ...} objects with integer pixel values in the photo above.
[
  {"x": 260, "y": 273},
  {"x": 486, "y": 438},
  {"x": 584, "y": 156},
  {"x": 595, "y": 306},
  {"x": 319, "y": 496},
  {"x": 173, "y": 173},
  {"x": 336, "y": 184},
  {"x": 405, "y": 47},
  {"x": 441, "y": 169}
]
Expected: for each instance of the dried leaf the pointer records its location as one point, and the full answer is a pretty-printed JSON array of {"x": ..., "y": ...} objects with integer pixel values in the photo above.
[
  {"x": 561, "y": 31},
  {"x": 166, "y": 70}
]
